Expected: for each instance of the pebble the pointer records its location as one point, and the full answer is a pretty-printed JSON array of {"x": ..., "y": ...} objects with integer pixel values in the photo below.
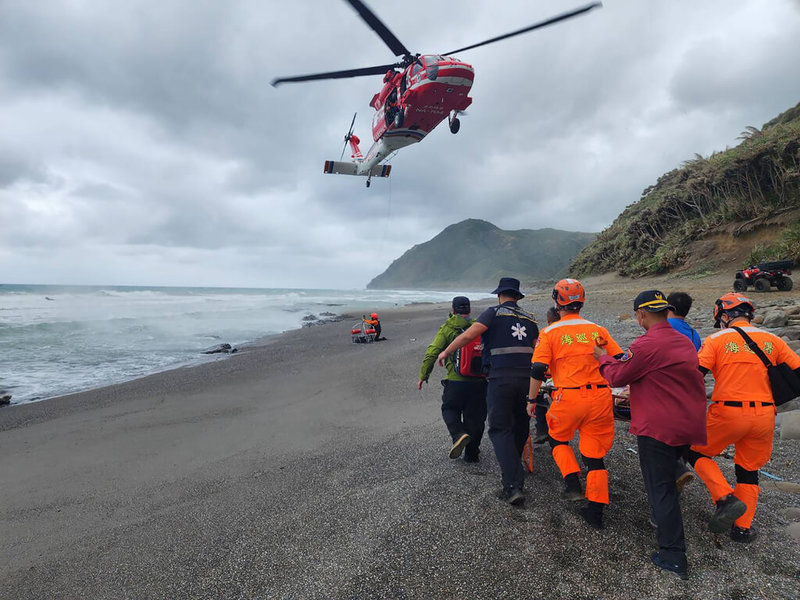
[
  {"x": 790, "y": 425},
  {"x": 792, "y": 513},
  {"x": 794, "y": 531}
]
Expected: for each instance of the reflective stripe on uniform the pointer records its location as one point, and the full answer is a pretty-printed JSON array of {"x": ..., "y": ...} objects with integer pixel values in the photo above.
[
  {"x": 745, "y": 329},
  {"x": 512, "y": 350},
  {"x": 567, "y": 322}
]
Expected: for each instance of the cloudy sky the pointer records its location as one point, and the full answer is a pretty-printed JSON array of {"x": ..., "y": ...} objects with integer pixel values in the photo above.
[{"x": 141, "y": 142}]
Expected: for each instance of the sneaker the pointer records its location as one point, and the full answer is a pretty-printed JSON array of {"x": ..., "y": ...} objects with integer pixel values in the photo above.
[
  {"x": 683, "y": 479},
  {"x": 728, "y": 510},
  {"x": 592, "y": 513},
  {"x": 471, "y": 459},
  {"x": 515, "y": 497},
  {"x": 679, "y": 568},
  {"x": 742, "y": 535},
  {"x": 459, "y": 445},
  {"x": 572, "y": 488}
]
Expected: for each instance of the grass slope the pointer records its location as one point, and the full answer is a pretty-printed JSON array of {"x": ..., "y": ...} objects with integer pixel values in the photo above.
[{"x": 744, "y": 185}]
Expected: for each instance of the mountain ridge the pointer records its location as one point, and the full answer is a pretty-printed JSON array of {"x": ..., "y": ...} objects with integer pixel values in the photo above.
[{"x": 476, "y": 253}]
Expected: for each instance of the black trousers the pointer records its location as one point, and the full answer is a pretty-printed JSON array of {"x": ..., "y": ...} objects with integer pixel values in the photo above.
[
  {"x": 509, "y": 426},
  {"x": 464, "y": 411},
  {"x": 540, "y": 412},
  {"x": 658, "y": 460}
]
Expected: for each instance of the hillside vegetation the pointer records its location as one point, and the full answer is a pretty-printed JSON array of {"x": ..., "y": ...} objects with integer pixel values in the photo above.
[
  {"x": 475, "y": 253},
  {"x": 736, "y": 191}
]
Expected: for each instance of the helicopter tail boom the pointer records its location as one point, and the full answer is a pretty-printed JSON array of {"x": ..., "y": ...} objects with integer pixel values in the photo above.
[{"x": 335, "y": 167}]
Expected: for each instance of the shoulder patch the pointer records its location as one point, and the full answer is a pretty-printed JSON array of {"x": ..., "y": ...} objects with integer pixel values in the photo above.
[{"x": 627, "y": 355}]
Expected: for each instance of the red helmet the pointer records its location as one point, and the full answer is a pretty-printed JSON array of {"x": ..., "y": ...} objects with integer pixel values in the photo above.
[
  {"x": 568, "y": 291},
  {"x": 374, "y": 315},
  {"x": 733, "y": 302}
]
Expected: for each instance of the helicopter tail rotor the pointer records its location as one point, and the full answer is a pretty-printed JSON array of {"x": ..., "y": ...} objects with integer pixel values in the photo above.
[{"x": 349, "y": 135}]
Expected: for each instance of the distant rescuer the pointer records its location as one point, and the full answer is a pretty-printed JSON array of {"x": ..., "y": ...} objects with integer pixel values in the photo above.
[
  {"x": 463, "y": 398},
  {"x": 508, "y": 335},
  {"x": 582, "y": 398},
  {"x": 742, "y": 412},
  {"x": 376, "y": 324},
  {"x": 668, "y": 402}
]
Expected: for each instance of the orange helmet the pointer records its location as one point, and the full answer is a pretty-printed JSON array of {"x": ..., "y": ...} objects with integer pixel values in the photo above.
[
  {"x": 733, "y": 303},
  {"x": 567, "y": 292},
  {"x": 374, "y": 316}
]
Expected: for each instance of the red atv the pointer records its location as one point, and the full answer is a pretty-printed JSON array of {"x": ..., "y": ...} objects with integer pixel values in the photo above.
[{"x": 765, "y": 275}]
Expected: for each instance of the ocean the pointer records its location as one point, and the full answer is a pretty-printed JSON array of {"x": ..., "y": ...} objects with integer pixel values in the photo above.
[{"x": 56, "y": 340}]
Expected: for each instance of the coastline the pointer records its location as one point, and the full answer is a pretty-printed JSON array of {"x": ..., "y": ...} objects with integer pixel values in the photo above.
[{"x": 305, "y": 466}]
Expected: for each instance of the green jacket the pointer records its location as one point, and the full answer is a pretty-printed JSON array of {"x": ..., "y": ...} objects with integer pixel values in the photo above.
[{"x": 450, "y": 330}]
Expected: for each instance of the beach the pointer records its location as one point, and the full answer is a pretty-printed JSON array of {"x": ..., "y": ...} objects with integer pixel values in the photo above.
[{"x": 306, "y": 466}]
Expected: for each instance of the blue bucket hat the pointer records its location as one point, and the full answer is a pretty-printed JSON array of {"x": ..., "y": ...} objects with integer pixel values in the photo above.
[{"x": 508, "y": 284}]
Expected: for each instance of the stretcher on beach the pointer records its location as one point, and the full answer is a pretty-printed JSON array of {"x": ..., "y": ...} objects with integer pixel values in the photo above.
[
  {"x": 362, "y": 333},
  {"x": 622, "y": 403}
]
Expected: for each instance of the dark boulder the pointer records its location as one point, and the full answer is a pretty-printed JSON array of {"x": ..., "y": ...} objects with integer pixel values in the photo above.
[{"x": 220, "y": 349}]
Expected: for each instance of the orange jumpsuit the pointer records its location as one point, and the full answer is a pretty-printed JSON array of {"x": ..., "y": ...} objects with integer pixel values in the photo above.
[
  {"x": 742, "y": 411},
  {"x": 582, "y": 399}
]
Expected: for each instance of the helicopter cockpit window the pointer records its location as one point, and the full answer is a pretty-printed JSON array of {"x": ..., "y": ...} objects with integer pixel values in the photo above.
[
  {"x": 417, "y": 68},
  {"x": 431, "y": 62},
  {"x": 433, "y": 71}
]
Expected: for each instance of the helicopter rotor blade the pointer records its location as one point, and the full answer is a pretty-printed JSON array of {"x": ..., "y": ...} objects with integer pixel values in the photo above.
[
  {"x": 563, "y": 17},
  {"x": 378, "y": 27},
  {"x": 376, "y": 70}
]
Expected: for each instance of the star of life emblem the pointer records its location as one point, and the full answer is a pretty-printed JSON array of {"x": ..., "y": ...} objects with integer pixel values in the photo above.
[{"x": 518, "y": 331}]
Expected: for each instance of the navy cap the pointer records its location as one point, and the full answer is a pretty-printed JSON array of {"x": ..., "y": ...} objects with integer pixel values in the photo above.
[
  {"x": 652, "y": 301},
  {"x": 508, "y": 284},
  {"x": 461, "y": 305}
]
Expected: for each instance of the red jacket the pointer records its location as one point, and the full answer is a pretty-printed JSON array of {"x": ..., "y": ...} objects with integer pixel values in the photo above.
[{"x": 668, "y": 396}]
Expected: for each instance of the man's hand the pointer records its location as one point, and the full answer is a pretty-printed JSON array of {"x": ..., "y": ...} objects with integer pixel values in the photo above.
[
  {"x": 531, "y": 409},
  {"x": 419, "y": 384},
  {"x": 442, "y": 357},
  {"x": 599, "y": 351}
]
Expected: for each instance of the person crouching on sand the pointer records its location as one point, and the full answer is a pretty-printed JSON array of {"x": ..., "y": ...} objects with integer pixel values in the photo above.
[
  {"x": 376, "y": 325},
  {"x": 463, "y": 398}
]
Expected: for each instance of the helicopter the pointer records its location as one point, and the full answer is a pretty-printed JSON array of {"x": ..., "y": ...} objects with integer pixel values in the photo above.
[{"x": 419, "y": 92}]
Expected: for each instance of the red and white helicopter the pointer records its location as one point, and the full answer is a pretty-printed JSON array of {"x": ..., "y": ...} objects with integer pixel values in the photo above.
[{"x": 418, "y": 93}]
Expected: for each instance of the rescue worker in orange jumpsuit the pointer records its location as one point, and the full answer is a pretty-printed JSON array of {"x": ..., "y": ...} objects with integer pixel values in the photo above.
[
  {"x": 376, "y": 324},
  {"x": 582, "y": 398},
  {"x": 742, "y": 412}
]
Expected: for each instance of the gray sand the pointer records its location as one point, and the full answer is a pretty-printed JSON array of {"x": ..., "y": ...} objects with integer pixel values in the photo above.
[{"x": 310, "y": 467}]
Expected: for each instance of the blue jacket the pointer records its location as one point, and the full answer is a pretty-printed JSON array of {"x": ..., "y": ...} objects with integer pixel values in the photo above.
[{"x": 683, "y": 327}]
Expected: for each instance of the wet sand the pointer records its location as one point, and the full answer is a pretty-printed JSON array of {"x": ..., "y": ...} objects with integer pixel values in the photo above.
[{"x": 311, "y": 467}]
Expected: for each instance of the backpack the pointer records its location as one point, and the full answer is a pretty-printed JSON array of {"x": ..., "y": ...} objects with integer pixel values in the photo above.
[{"x": 468, "y": 361}]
